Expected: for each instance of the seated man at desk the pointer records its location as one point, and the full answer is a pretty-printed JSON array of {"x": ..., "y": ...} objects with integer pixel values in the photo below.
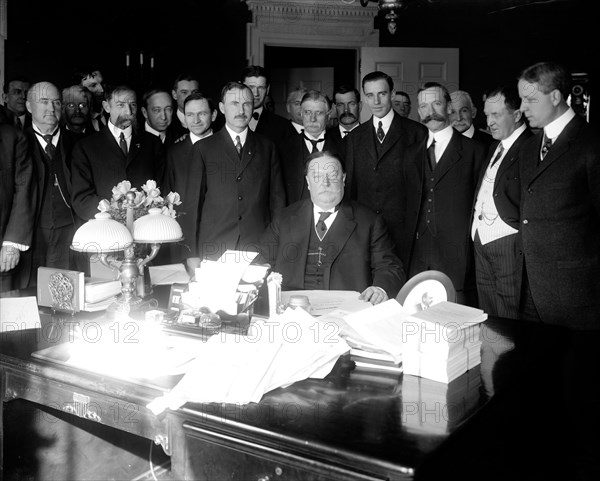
[{"x": 327, "y": 242}]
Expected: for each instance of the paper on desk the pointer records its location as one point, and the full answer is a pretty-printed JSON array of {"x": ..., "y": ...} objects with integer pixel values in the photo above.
[
  {"x": 19, "y": 313},
  {"x": 240, "y": 369},
  {"x": 217, "y": 281},
  {"x": 169, "y": 274},
  {"x": 323, "y": 302}
]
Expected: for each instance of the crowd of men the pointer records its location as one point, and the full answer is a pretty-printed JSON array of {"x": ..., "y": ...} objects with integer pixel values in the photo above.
[
  {"x": 443, "y": 195},
  {"x": 510, "y": 214}
]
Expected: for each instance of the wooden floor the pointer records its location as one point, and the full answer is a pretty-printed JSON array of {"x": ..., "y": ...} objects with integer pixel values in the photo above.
[{"x": 46, "y": 445}]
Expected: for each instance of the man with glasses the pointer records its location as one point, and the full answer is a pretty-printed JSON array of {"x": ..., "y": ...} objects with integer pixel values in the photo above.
[
  {"x": 76, "y": 110},
  {"x": 91, "y": 78},
  {"x": 263, "y": 121}
]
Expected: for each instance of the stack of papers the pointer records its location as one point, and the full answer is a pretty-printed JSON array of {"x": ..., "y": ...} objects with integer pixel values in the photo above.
[
  {"x": 442, "y": 342},
  {"x": 436, "y": 407},
  {"x": 240, "y": 369}
]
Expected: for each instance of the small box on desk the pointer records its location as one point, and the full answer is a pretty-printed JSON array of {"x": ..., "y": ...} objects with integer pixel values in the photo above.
[{"x": 61, "y": 289}]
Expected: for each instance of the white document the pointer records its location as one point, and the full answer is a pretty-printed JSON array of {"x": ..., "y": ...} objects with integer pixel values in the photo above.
[
  {"x": 168, "y": 274},
  {"x": 19, "y": 313},
  {"x": 217, "y": 281},
  {"x": 323, "y": 302}
]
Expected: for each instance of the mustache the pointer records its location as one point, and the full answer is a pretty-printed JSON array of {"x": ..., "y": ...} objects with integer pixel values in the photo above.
[
  {"x": 348, "y": 115},
  {"x": 431, "y": 117}
]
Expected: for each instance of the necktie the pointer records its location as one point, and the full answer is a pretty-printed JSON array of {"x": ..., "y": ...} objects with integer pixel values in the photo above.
[
  {"x": 321, "y": 227},
  {"x": 255, "y": 115},
  {"x": 380, "y": 132},
  {"x": 238, "y": 146},
  {"x": 431, "y": 156},
  {"x": 498, "y": 155},
  {"x": 162, "y": 136},
  {"x": 346, "y": 132},
  {"x": 546, "y": 144},
  {"x": 50, "y": 149},
  {"x": 123, "y": 144},
  {"x": 314, "y": 143},
  {"x": 18, "y": 123}
]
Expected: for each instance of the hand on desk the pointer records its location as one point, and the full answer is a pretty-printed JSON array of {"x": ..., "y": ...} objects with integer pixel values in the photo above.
[{"x": 374, "y": 295}]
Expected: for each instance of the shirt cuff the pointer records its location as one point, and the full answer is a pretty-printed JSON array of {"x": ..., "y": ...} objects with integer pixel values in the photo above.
[{"x": 21, "y": 247}]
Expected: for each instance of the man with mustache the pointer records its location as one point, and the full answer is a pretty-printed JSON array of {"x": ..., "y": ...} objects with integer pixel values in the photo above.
[
  {"x": 294, "y": 150},
  {"x": 346, "y": 100},
  {"x": 50, "y": 149},
  {"x": 241, "y": 185},
  {"x": 118, "y": 152},
  {"x": 76, "y": 115},
  {"x": 439, "y": 177},
  {"x": 462, "y": 117},
  {"x": 330, "y": 242},
  {"x": 375, "y": 152},
  {"x": 14, "y": 96}
]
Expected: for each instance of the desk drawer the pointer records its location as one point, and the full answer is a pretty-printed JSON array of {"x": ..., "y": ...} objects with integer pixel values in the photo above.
[
  {"x": 215, "y": 456},
  {"x": 110, "y": 411}
]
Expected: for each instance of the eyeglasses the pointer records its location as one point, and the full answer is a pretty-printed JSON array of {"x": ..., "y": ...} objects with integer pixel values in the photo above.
[{"x": 73, "y": 106}]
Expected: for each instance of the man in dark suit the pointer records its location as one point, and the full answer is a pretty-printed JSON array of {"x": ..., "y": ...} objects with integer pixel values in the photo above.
[
  {"x": 242, "y": 188},
  {"x": 439, "y": 178},
  {"x": 14, "y": 95},
  {"x": 184, "y": 172},
  {"x": 17, "y": 205},
  {"x": 295, "y": 149},
  {"x": 76, "y": 111},
  {"x": 184, "y": 85},
  {"x": 328, "y": 243},
  {"x": 375, "y": 151},
  {"x": 157, "y": 109},
  {"x": 294, "y": 109},
  {"x": 346, "y": 100},
  {"x": 50, "y": 149},
  {"x": 496, "y": 209},
  {"x": 116, "y": 153},
  {"x": 263, "y": 122},
  {"x": 560, "y": 237},
  {"x": 462, "y": 117}
]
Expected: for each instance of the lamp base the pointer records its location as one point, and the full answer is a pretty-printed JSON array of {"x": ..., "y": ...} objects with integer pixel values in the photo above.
[{"x": 125, "y": 306}]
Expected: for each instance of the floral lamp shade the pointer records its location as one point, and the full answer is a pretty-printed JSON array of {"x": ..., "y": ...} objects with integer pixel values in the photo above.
[
  {"x": 156, "y": 228},
  {"x": 102, "y": 234}
]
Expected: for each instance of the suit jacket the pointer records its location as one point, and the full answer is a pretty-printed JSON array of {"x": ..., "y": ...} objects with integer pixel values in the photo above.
[
  {"x": 339, "y": 142},
  {"x": 483, "y": 137},
  {"x": 239, "y": 196},
  {"x": 184, "y": 176},
  {"x": 373, "y": 180},
  {"x": 507, "y": 186},
  {"x": 457, "y": 173},
  {"x": 293, "y": 154},
  {"x": 64, "y": 149},
  {"x": 8, "y": 117},
  {"x": 364, "y": 250},
  {"x": 98, "y": 165},
  {"x": 18, "y": 193},
  {"x": 560, "y": 227},
  {"x": 273, "y": 126}
]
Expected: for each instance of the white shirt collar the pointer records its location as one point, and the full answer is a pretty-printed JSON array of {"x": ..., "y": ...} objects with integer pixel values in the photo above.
[
  {"x": 344, "y": 129},
  {"x": 194, "y": 138},
  {"x": 41, "y": 139},
  {"x": 511, "y": 139},
  {"x": 148, "y": 128},
  {"x": 299, "y": 127},
  {"x": 233, "y": 134},
  {"x": 116, "y": 132},
  {"x": 470, "y": 132},
  {"x": 385, "y": 121},
  {"x": 317, "y": 210},
  {"x": 554, "y": 128}
]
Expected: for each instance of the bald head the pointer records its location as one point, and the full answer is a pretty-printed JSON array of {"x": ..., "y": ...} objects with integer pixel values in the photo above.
[{"x": 44, "y": 103}]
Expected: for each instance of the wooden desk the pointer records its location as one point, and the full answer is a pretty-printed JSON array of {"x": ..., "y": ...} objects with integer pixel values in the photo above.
[{"x": 349, "y": 426}]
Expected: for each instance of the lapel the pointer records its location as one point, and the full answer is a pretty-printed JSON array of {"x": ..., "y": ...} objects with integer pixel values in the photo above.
[
  {"x": 342, "y": 228},
  {"x": 486, "y": 164},
  {"x": 393, "y": 135},
  {"x": 367, "y": 140},
  {"x": 451, "y": 156},
  {"x": 248, "y": 151},
  {"x": 112, "y": 142},
  {"x": 134, "y": 147},
  {"x": 560, "y": 147},
  {"x": 229, "y": 147}
]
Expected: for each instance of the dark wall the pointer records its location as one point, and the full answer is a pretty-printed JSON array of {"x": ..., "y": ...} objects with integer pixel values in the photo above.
[{"x": 47, "y": 39}]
